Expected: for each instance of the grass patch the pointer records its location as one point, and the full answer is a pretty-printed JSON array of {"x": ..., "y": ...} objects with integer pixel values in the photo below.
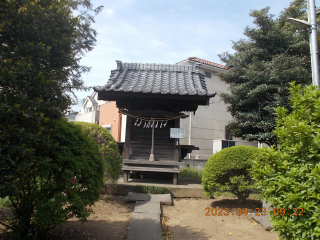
[
  {"x": 150, "y": 189},
  {"x": 194, "y": 173},
  {"x": 253, "y": 196},
  {"x": 5, "y": 202}
]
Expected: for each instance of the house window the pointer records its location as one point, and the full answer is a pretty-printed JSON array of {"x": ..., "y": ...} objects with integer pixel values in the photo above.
[
  {"x": 226, "y": 144},
  {"x": 207, "y": 74},
  {"x": 89, "y": 109}
]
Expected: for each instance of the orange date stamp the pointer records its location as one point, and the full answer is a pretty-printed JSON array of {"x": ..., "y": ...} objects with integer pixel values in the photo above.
[{"x": 258, "y": 212}]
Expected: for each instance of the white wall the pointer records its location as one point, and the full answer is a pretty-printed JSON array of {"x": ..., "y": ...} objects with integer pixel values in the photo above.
[
  {"x": 84, "y": 107},
  {"x": 90, "y": 117}
]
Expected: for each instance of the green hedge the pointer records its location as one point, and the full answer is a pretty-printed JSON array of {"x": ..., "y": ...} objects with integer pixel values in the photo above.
[
  {"x": 228, "y": 170},
  {"x": 289, "y": 173},
  {"x": 64, "y": 185}
]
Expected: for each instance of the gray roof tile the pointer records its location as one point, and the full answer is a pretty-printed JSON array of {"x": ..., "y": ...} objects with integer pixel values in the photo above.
[{"x": 157, "y": 78}]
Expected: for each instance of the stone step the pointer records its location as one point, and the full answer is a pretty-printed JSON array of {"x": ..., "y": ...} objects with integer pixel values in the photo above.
[{"x": 145, "y": 223}]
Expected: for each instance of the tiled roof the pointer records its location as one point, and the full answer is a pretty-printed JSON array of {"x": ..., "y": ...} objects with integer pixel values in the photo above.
[
  {"x": 199, "y": 60},
  {"x": 157, "y": 79}
]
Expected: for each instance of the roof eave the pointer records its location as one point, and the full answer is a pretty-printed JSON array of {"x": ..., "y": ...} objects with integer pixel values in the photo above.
[{"x": 208, "y": 67}]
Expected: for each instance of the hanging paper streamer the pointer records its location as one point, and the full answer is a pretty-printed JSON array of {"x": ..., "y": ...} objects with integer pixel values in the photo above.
[{"x": 153, "y": 122}]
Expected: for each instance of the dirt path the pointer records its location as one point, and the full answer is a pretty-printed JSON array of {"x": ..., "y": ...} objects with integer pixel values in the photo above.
[
  {"x": 188, "y": 220},
  {"x": 110, "y": 221}
]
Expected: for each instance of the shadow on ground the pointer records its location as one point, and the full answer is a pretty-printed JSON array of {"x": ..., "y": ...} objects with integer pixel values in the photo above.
[
  {"x": 233, "y": 204},
  {"x": 110, "y": 220},
  {"x": 93, "y": 229}
]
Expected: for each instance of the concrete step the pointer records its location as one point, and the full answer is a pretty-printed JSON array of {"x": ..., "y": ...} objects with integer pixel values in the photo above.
[
  {"x": 145, "y": 223},
  {"x": 134, "y": 197},
  {"x": 145, "y": 226}
]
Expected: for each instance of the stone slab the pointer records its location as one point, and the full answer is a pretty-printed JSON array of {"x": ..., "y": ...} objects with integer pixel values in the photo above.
[
  {"x": 264, "y": 220},
  {"x": 133, "y": 197},
  {"x": 145, "y": 226},
  {"x": 186, "y": 188},
  {"x": 161, "y": 198},
  {"x": 147, "y": 207}
]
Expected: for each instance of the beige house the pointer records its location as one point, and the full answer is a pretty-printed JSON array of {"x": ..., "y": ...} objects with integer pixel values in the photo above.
[
  {"x": 90, "y": 109},
  {"x": 113, "y": 121},
  {"x": 206, "y": 128}
]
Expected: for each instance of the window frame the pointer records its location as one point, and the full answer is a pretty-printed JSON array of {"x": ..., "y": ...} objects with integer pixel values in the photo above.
[{"x": 207, "y": 72}]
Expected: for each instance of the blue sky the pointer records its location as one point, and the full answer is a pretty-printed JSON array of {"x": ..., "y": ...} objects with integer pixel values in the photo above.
[{"x": 166, "y": 31}]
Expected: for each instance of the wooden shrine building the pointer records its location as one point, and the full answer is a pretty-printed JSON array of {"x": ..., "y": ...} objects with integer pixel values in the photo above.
[{"x": 154, "y": 97}]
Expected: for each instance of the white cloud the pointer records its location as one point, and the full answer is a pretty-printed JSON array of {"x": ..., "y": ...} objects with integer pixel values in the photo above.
[
  {"x": 165, "y": 31},
  {"x": 110, "y": 12}
]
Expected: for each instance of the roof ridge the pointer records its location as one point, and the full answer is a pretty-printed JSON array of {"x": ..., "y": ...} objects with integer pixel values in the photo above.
[
  {"x": 158, "y": 67},
  {"x": 165, "y": 79},
  {"x": 203, "y": 61}
]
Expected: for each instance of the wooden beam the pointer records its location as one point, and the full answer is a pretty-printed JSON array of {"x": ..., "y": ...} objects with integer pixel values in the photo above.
[
  {"x": 175, "y": 179},
  {"x": 125, "y": 176},
  {"x": 148, "y": 169},
  {"x": 146, "y": 162},
  {"x": 126, "y": 147},
  {"x": 176, "y": 153}
]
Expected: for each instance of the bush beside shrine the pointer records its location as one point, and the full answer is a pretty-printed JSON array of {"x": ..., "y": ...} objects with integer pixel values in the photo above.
[
  {"x": 289, "y": 173},
  {"x": 63, "y": 185},
  {"x": 109, "y": 150},
  {"x": 228, "y": 171}
]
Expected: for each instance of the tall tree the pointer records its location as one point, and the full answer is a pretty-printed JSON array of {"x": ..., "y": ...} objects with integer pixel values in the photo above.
[
  {"x": 41, "y": 44},
  {"x": 273, "y": 54}
]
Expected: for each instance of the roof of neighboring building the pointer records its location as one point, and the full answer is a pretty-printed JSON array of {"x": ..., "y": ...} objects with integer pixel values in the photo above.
[
  {"x": 167, "y": 79},
  {"x": 94, "y": 102},
  {"x": 199, "y": 60}
]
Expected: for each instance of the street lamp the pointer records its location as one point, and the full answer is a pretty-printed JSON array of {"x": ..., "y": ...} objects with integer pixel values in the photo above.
[{"x": 311, "y": 24}]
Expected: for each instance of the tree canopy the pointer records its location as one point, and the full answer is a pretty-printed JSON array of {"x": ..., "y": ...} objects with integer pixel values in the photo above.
[
  {"x": 273, "y": 54},
  {"x": 40, "y": 49},
  {"x": 41, "y": 44}
]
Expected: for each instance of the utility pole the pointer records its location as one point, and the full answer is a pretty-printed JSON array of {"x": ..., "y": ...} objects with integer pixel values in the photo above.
[{"x": 313, "y": 38}]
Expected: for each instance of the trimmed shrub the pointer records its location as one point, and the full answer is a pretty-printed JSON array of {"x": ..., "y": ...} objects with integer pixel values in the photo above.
[
  {"x": 228, "y": 170},
  {"x": 150, "y": 189},
  {"x": 109, "y": 150},
  {"x": 289, "y": 173},
  {"x": 62, "y": 186}
]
